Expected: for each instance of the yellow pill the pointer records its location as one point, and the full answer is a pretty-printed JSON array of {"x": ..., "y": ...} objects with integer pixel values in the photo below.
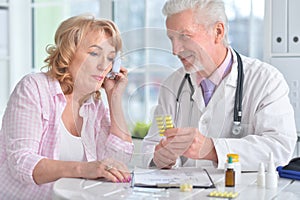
[
  {"x": 185, "y": 187},
  {"x": 216, "y": 194},
  {"x": 235, "y": 195}
]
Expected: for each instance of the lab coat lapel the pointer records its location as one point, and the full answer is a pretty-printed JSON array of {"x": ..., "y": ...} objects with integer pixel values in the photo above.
[
  {"x": 198, "y": 99},
  {"x": 198, "y": 96},
  {"x": 212, "y": 118},
  {"x": 216, "y": 113}
]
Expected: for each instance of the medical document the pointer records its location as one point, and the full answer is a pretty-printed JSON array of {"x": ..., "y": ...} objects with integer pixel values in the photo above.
[{"x": 171, "y": 177}]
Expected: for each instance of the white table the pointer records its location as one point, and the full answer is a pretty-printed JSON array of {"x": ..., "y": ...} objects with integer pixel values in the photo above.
[{"x": 72, "y": 188}]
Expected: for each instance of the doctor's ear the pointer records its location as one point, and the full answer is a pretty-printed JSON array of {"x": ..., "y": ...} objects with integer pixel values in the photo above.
[{"x": 219, "y": 32}]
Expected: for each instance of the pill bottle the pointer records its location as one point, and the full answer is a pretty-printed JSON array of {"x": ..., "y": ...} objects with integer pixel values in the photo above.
[
  {"x": 261, "y": 177},
  {"x": 230, "y": 174},
  {"x": 271, "y": 176},
  {"x": 236, "y": 166}
]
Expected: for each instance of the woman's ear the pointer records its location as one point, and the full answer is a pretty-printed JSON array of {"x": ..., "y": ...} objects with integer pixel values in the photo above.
[{"x": 219, "y": 32}]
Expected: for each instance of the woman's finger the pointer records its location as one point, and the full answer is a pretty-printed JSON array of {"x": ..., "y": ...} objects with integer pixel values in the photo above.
[
  {"x": 110, "y": 176},
  {"x": 117, "y": 169},
  {"x": 118, "y": 175}
]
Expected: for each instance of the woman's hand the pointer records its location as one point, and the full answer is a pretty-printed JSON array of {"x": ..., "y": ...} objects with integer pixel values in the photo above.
[
  {"x": 48, "y": 170},
  {"x": 117, "y": 85},
  {"x": 114, "y": 89},
  {"x": 109, "y": 169}
]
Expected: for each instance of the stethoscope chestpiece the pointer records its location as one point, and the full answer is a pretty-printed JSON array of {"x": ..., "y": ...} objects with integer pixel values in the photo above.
[{"x": 236, "y": 129}]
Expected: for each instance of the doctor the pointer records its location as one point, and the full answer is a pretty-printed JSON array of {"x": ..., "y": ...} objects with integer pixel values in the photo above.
[{"x": 220, "y": 102}]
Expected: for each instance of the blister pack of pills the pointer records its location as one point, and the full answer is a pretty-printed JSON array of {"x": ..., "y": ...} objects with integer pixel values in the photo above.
[
  {"x": 223, "y": 194},
  {"x": 163, "y": 123}
]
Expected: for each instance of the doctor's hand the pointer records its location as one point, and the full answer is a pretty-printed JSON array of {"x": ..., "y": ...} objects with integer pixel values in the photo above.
[
  {"x": 164, "y": 158},
  {"x": 190, "y": 143}
]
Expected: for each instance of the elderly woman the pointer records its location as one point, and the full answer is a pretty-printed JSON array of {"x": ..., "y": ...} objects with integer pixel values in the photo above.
[{"x": 56, "y": 124}]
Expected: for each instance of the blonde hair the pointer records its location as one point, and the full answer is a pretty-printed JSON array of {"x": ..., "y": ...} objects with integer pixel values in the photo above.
[{"x": 68, "y": 36}]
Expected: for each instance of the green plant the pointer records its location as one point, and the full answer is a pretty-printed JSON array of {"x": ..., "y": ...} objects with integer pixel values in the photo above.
[{"x": 140, "y": 129}]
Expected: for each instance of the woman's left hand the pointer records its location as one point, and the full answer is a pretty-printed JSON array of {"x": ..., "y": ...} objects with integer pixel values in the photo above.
[
  {"x": 110, "y": 169},
  {"x": 118, "y": 84}
]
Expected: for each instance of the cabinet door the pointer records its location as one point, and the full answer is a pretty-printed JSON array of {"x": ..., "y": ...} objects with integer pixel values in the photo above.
[
  {"x": 294, "y": 26},
  {"x": 279, "y": 26}
]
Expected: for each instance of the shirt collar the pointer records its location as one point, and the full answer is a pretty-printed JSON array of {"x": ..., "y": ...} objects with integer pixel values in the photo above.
[
  {"x": 90, "y": 103},
  {"x": 217, "y": 76},
  {"x": 55, "y": 90},
  {"x": 54, "y": 86},
  {"x": 92, "y": 100}
]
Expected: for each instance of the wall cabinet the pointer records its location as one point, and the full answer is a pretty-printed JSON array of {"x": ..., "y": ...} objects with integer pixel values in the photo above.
[
  {"x": 282, "y": 44},
  {"x": 285, "y": 27},
  {"x": 282, "y": 47}
]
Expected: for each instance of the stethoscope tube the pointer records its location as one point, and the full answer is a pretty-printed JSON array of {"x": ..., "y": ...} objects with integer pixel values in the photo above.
[
  {"x": 186, "y": 78},
  {"x": 237, "y": 113}
]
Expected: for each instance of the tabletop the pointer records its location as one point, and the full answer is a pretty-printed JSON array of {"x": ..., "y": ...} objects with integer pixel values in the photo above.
[{"x": 75, "y": 188}]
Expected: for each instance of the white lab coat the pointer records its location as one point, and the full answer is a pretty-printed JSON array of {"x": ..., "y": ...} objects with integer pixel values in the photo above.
[{"x": 268, "y": 123}]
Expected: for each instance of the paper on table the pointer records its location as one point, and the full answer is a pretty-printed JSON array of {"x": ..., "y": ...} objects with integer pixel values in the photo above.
[{"x": 171, "y": 177}]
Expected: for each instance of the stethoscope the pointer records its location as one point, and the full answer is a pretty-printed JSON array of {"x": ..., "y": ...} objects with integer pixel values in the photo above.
[
  {"x": 237, "y": 112},
  {"x": 186, "y": 78}
]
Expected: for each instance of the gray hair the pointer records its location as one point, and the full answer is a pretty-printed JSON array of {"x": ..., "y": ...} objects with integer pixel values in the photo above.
[{"x": 212, "y": 11}]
